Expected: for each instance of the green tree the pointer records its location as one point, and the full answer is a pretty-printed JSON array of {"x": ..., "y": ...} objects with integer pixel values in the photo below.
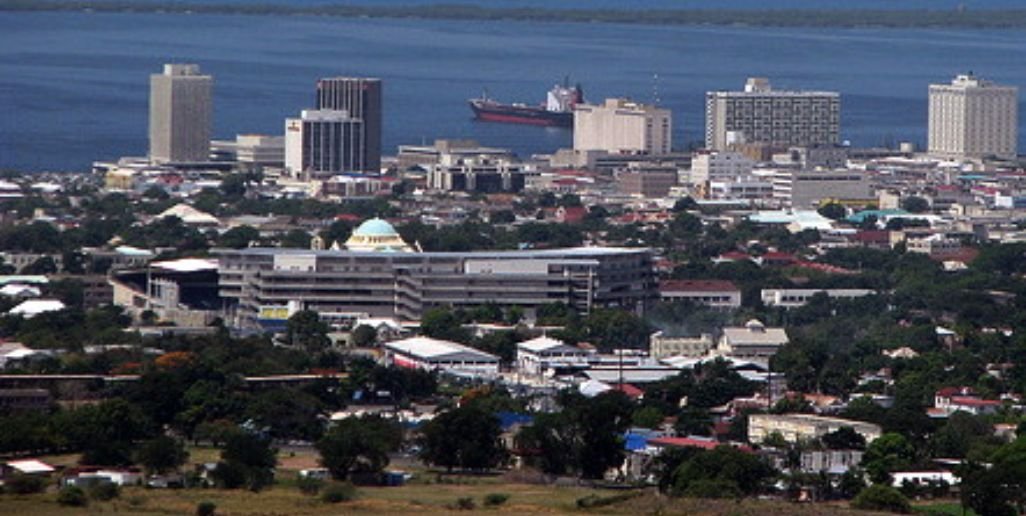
[
  {"x": 238, "y": 237},
  {"x": 287, "y": 413},
  {"x": 584, "y": 438},
  {"x": 502, "y": 217},
  {"x": 915, "y": 204},
  {"x": 156, "y": 193},
  {"x": 880, "y": 497},
  {"x": 339, "y": 231},
  {"x": 616, "y": 329},
  {"x": 73, "y": 262},
  {"x": 161, "y": 454},
  {"x": 296, "y": 239},
  {"x": 887, "y": 453},
  {"x": 729, "y": 469},
  {"x": 364, "y": 336},
  {"x": 684, "y": 204},
  {"x": 247, "y": 459},
  {"x": 358, "y": 445},
  {"x": 844, "y": 438},
  {"x": 833, "y": 211},
  {"x": 959, "y": 434},
  {"x": 466, "y": 438},
  {"x": 306, "y": 330},
  {"x": 442, "y": 323},
  {"x": 44, "y": 265},
  {"x": 1001, "y": 489}
]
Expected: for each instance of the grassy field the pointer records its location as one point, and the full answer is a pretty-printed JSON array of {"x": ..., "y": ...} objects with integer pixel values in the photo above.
[
  {"x": 937, "y": 509},
  {"x": 424, "y": 499},
  {"x": 428, "y": 493}
]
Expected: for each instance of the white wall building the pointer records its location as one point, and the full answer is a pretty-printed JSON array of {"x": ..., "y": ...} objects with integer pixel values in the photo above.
[
  {"x": 719, "y": 166},
  {"x": 434, "y": 354},
  {"x": 973, "y": 118},
  {"x": 622, "y": 127},
  {"x": 542, "y": 354},
  {"x": 795, "y": 297}
]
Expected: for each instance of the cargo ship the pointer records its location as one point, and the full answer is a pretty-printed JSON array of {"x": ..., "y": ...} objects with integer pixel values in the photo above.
[{"x": 557, "y": 111}]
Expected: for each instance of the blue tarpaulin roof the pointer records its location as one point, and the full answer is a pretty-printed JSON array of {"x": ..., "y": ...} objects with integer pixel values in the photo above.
[{"x": 508, "y": 419}]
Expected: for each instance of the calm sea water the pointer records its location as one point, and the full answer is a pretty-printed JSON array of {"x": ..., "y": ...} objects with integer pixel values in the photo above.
[
  {"x": 664, "y": 4},
  {"x": 73, "y": 87}
]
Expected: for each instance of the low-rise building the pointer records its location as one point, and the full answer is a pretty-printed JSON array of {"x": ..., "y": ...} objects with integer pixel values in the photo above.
[
  {"x": 753, "y": 341},
  {"x": 662, "y": 346},
  {"x": 802, "y": 427},
  {"x": 713, "y": 293},
  {"x": 933, "y": 245},
  {"x": 646, "y": 181},
  {"x": 440, "y": 355},
  {"x": 795, "y": 297},
  {"x": 17, "y": 400},
  {"x": 543, "y": 354},
  {"x": 478, "y": 175},
  {"x": 398, "y": 282},
  {"x": 923, "y": 478}
]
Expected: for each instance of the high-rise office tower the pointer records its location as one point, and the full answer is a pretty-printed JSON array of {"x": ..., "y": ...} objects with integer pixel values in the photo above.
[
  {"x": 361, "y": 98},
  {"x": 973, "y": 118},
  {"x": 622, "y": 127},
  {"x": 322, "y": 143},
  {"x": 760, "y": 114},
  {"x": 181, "y": 110}
]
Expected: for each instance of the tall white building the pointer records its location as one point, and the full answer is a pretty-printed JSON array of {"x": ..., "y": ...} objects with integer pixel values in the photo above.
[
  {"x": 181, "y": 109},
  {"x": 322, "y": 143},
  {"x": 622, "y": 127},
  {"x": 760, "y": 114},
  {"x": 973, "y": 118}
]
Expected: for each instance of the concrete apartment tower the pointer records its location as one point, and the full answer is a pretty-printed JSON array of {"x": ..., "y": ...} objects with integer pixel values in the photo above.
[
  {"x": 181, "y": 113},
  {"x": 361, "y": 98},
  {"x": 973, "y": 118},
  {"x": 622, "y": 127},
  {"x": 760, "y": 114}
]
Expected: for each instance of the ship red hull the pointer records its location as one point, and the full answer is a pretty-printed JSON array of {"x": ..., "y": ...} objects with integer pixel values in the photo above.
[
  {"x": 510, "y": 114},
  {"x": 514, "y": 119}
]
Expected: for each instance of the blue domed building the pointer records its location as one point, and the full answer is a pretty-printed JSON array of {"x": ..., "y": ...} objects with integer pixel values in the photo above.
[{"x": 377, "y": 235}]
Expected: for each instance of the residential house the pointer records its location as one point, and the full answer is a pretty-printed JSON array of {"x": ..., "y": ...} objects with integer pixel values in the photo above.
[{"x": 949, "y": 400}]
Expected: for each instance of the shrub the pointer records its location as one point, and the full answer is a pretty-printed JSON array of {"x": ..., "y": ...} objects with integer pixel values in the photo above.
[
  {"x": 713, "y": 488},
  {"x": 24, "y": 484},
  {"x": 338, "y": 492},
  {"x": 879, "y": 497},
  {"x": 104, "y": 491},
  {"x": 72, "y": 496},
  {"x": 309, "y": 486},
  {"x": 206, "y": 509},
  {"x": 465, "y": 503},
  {"x": 592, "y": 501},
  {"x": 495, "y": 499}
]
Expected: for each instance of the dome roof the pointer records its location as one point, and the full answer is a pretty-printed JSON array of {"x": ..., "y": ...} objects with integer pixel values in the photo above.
[
  {"x": 376, "y": 228},
  {"x": 376, "y": 235}
]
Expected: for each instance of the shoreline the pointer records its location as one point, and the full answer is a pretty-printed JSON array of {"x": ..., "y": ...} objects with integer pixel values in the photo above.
[{"x": 778, "y": 18}]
